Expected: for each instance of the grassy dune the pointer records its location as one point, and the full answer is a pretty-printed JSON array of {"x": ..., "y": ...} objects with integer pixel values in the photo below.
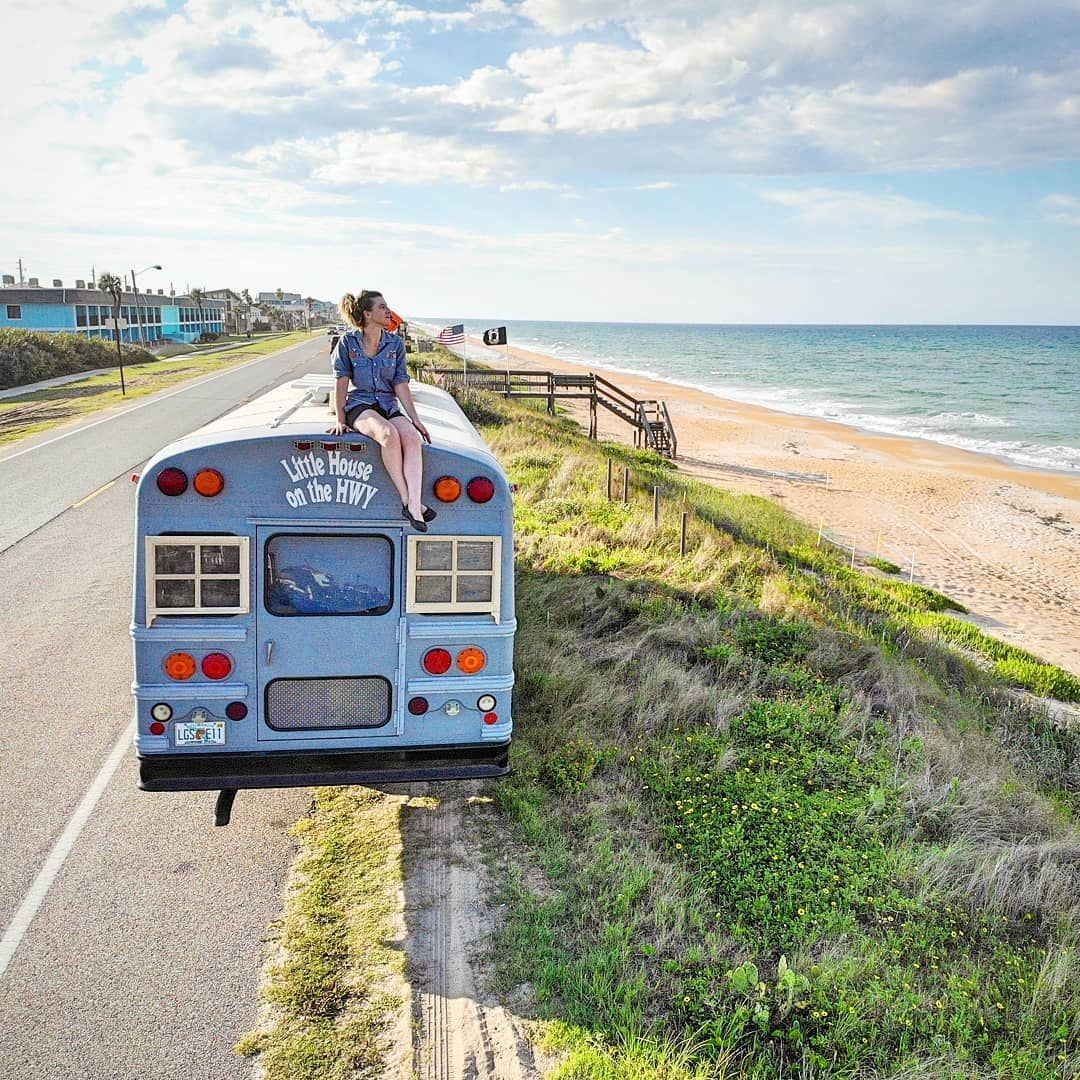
[{"x": 772, "y": 817}]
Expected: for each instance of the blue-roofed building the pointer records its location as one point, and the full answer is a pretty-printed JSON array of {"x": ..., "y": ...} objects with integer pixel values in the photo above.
[{"x": 85, "y": 310}]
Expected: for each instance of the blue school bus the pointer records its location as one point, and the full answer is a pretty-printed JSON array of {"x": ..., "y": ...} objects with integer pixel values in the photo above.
[{"x": 291, "y": 629}]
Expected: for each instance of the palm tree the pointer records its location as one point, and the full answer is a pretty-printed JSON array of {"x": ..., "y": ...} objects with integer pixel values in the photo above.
[
  {"x": 309, "y": 303},
  {"x": 197, "y": 298},
  {"x": 112, "y": 285}
]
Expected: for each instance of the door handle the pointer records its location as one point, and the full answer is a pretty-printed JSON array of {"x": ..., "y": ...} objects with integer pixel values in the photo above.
[{"x": 269, "y": 652}]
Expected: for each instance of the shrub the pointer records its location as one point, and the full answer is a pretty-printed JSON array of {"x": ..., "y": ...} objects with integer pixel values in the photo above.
[{"x": 27, "y": 356}]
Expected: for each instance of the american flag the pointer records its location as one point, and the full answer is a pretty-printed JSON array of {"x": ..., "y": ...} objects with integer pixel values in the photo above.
[{"x": 452, "y": 335}]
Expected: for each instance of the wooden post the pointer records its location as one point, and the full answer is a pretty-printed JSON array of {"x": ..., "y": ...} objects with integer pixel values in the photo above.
[
  {"x": 911, "y": 572},
  {"x": 682, "y": 534},
  {"x": 551, "y": 393},
  {"x": 853, "y": 553},
  {"x": 609, "y": 471},
  {"x": 877, "y": 546},
  {"x": 656, "y": 504},
  {"x": 626, "y": 486},
  {"x": 820, "y": 530}
]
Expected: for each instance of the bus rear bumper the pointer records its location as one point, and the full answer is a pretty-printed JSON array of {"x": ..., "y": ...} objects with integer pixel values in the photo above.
[{"x": 314, "y": 768}]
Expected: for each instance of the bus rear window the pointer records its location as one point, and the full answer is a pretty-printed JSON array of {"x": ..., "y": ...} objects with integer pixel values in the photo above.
[
  {"x": 454, "y": 575},
  {"x": 196, "y": 575},
  {"x": 328, "y": 575}
]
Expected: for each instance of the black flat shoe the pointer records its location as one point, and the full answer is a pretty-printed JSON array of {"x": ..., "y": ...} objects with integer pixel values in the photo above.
[
  {"x": 419, "y": 526},
  {"x": 429, "y": 514}
]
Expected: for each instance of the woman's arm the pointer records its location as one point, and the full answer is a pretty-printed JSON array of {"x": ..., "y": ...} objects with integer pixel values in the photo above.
[
  {"x": 404, "y": 395},
  {"x": 341, "y": 392}
]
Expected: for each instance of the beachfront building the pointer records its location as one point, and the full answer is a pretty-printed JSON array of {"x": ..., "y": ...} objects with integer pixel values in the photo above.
[
  {"x": 233, "y": 314},
  {"x": 85, "y": 309}
]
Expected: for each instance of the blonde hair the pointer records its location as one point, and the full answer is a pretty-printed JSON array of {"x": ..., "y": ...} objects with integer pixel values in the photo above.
[{"x": 353, "y": 308}]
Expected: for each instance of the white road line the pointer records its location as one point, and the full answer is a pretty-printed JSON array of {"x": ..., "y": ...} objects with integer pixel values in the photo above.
[
  {"x": 47, "y": 874},
  {"x": 151, "y": 399}
]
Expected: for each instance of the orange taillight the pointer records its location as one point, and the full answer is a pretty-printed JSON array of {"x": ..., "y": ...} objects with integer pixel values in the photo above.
[
  {"x": 447, "y": 488},
  {"x": 208, "y": 482},
  {"x": 471, "y": 660},
  {"x": 180, "y": 665}
]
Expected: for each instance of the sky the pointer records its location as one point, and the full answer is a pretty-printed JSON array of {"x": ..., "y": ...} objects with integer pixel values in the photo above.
[{"x": 722, "y": 161}]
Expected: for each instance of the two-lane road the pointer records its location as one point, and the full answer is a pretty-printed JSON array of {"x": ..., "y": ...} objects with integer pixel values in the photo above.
[{"x": 142, "y": 958}]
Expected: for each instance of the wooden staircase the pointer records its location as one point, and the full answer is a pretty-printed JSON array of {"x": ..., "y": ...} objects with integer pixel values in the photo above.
[{"x": 653, "y": 429}]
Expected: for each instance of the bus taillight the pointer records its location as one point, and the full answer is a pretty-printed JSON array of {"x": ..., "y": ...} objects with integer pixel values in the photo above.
[
  {"x": 480, "y": 489},
  {"x": 236, "y": 710},
  {"x": 491, "y": 718},
  {"x": 217, "y": 665},
  {"x": 418, "y": 706},
  {"x": 437, "y": 661},
  {"x": 208, "y": 482},
  {"x": 172, "y": 481},
  {"x": 180, "y": 666},
  {"x": 471, "y": 660},
  {"x": 447, "y": 489},
  {"x": 485, "y": 703}
]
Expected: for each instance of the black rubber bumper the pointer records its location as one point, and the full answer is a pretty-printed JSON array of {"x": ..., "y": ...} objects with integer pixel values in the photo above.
[{"x": 313, "y": 768}]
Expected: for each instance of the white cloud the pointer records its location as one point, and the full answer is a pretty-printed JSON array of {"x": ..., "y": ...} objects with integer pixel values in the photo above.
[
  {"x": 829, "y": 206},
  {"x": 659, "y": 185},
  {"x": 1063, "y": 208}
]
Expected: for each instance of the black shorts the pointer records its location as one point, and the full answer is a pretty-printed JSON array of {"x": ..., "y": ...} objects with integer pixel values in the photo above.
[{"x": 356, "y": 410}]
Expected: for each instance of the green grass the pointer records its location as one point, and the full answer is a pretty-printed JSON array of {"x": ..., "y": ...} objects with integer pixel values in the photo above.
[
  {"x": 784, "y": 827},
  {"x": 330, "y": 991},
  {"x": 32, "y": 413}
]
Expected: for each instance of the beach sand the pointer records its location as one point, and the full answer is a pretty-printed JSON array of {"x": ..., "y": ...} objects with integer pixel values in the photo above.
[{"x": 1002, "y": 540}]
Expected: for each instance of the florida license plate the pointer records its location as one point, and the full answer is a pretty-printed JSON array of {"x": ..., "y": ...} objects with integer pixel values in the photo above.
[{"x": 207, "y": 733}]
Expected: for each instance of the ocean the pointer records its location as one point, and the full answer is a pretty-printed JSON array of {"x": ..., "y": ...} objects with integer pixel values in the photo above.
[{"x": 1009, "y": 391}]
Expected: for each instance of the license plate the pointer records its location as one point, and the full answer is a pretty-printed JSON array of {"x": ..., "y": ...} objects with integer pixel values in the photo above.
[{"x": 211, "y": 733}]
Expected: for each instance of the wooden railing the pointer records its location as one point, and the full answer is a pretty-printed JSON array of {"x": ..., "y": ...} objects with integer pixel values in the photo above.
[{"x": 649, "y": 418}]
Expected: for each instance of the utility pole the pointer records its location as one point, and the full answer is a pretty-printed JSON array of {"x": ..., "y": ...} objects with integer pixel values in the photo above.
[{"x": 20, "y": 272}]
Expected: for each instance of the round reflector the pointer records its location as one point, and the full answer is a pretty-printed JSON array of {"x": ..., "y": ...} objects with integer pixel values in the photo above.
[
  {"x": 172, "y": 481},
  {"x": 418, "y": 706},
  {"x": 236, "y": 710},
  {"x": 491, "y": 718},
  {"x": 180, "y": 665},
  {"x": 447, "y": 488},
  {"x": 162, "y": 712},
  {"x": 217, "y": 665},
  {"x": 485, "y": 703},
  {"x": 437, "y": 661},
  {"x": 208, "y": 482},
  {"x": 471, "y": 660},
  {"x": 157, "y": 728},
  {"x": 480, "y": 489}
]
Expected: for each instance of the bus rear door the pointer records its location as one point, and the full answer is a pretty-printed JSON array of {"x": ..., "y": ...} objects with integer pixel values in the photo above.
[{"x": 329, "y": 635}]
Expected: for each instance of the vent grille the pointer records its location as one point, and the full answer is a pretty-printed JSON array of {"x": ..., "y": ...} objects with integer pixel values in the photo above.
[{"x": 311, "y": 704}]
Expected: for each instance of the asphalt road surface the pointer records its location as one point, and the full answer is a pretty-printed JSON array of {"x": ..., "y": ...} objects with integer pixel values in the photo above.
[{"x": 142, "y": 958}]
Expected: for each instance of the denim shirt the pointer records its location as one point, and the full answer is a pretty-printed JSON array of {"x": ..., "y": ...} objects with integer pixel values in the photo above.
[{"x": 373, "y": 378}]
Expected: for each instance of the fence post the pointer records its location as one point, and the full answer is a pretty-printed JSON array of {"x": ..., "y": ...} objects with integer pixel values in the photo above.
[
  {"x": 853, "y": 553},
  {"x": 911, "y": 572},
  {"x": 656, "y": 504},
  {"x": 609, "y": 479},
  {"x": 877, "y": 546},
  {"x": 626, "y": 485},
  {"x": 820, "y": 530},
  {"x": 682, "y": 534}
]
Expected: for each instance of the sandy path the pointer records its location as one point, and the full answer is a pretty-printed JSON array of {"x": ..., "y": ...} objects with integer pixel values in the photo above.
[
  {"x": 1003, "y": 540},
  {"x": 460, "y": 1031}
]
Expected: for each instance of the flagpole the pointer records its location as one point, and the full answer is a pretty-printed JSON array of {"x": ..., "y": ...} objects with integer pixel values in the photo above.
[{"x": 465, "y": 360}]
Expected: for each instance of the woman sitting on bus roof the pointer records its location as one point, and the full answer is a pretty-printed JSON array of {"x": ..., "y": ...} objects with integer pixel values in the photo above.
[{"x": 373, "y": 397}]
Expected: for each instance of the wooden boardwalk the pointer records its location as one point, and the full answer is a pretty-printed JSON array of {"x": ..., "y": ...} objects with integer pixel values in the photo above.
[{"x": 649, "y": 418}]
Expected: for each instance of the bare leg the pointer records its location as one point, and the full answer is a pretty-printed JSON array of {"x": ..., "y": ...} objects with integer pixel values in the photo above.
[
  {"x": 386, "y": 435},
  {"x": 412, "y": 463}
]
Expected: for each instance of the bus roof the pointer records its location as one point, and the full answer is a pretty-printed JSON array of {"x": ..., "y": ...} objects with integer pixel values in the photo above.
[{"x": 298, "y": 409}]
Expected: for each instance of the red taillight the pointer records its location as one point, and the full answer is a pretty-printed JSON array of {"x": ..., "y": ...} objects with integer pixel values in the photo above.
[
  {"x": 180, "y": 665},
  {"x": 418, "y": 706},
  {"x": 208, "y": 482},
  {"x": 157, "y": 728},
  {"x": 329, "y": 445},
  {"x": 302, "y": 444},
  {"x": 447, "y": 489},
  {"x": 216, "y": 665},
  {"x": 491, "y": 718},
  {"x": 236, "y": 710},
  {"x": 172, "y": 481},
  {"x": 437, "y": 661},
  {"x": 480, "y": 489}
]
